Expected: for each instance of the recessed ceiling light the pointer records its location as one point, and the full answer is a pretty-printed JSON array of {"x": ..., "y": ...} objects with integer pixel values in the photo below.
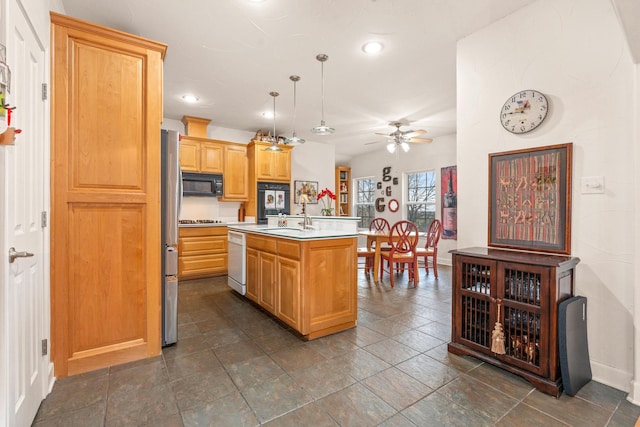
[
  {"x": 268, "y": 114},
  {"x": 190, "y": 98},
  {"x": 372, "y": 48}
]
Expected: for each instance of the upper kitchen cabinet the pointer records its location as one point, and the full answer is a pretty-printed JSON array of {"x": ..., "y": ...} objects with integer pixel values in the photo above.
[
  {"x": 236, "y": 175},
  {"x": 106, "y": 112},
  {"x": 197, "y": 153},
  {"x": 201, "y": 155},
  {"x": 274, "y": 166}
]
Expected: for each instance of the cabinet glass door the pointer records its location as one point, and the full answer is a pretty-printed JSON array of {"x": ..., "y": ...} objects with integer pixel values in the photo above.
[
  {"x": 474, "y": 278},
  {"x": 523, "y": 291}
]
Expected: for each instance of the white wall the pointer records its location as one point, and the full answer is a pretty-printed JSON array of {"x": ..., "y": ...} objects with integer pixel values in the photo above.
[
  {"x": 439, "y": 153},
  {"x": 573, "y": 51}
]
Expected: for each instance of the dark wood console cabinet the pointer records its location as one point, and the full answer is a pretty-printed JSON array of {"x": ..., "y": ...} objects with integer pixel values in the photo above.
[{"x": 528, "y": 288}]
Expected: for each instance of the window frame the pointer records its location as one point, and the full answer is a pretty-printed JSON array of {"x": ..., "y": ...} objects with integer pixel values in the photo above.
[
  {"x": 431, "y": 202},
  {"x": 364, "y": 224}
]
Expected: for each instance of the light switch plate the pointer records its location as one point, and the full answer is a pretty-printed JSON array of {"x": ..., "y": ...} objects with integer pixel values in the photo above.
[{"x": 592, "y": 185}]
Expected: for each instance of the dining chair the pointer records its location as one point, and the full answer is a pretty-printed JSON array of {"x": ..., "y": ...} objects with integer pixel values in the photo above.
[
  {"x": 430, "y": 249},
  {"x": 367, "y": 253},
  {"x": 403, "y": 239}
]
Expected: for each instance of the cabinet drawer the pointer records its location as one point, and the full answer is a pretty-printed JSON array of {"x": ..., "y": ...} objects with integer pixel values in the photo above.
[
  {"x": 201, "y": 245},
  {"x": 289, "y": 249},
  {"x": 261, "y": 243},
  {"x": 202, "y": 265}
]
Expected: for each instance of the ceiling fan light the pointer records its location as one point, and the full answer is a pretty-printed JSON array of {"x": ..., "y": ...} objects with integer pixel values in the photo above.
[
  {"x": 391, "y": 147},
  {"x": 404, "y": 146}
]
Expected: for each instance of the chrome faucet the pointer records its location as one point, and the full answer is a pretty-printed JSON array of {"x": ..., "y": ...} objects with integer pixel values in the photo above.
[{"x": 306, "y": 224}]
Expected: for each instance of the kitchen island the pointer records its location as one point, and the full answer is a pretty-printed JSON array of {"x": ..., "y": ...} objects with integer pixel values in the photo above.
[{"x": 305, "y": 278}]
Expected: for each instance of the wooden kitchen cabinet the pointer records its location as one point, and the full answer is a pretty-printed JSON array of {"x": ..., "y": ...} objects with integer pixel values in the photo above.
[
  {"x": 527, "y": 287},
  {"x": 288, "y": 291},
  {"x": 201, "y": 155},
  {"x": 105, "y": 196},
  {"x": 236, "y": 173},
  {"x": 261, "y": 271},
  {"x": 202, "y": 252},
  {"x": 272, "y": 166},
  {"x": 313, "y": 301}
]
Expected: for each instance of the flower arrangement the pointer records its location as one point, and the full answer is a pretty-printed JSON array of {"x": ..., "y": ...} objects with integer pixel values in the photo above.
[{"x": 327, "y": 197}]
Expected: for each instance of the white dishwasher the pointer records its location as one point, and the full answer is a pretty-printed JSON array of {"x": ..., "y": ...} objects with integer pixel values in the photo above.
[{"x": 237, "y": 279}]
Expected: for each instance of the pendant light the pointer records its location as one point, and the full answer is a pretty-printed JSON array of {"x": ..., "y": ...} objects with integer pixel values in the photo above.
[
  {"x": 294, "y": 140},
  {"x": 274, "y": 139},
  {"x": 323, "y": 129}
]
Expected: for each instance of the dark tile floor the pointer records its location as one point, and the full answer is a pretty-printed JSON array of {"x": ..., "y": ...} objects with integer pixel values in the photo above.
[{"x": 235, "y": 366}]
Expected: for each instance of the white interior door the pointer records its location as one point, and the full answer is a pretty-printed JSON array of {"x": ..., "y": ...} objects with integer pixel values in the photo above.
[{"x": 23, "y": 296}]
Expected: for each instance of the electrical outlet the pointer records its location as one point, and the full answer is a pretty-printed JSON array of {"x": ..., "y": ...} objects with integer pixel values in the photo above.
[{"x": 592, "y": 185}]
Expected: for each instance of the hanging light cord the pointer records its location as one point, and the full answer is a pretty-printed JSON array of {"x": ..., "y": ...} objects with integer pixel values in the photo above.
[
  {"x": 322, "y": 89},
  {"x": 294, "y": 105}
]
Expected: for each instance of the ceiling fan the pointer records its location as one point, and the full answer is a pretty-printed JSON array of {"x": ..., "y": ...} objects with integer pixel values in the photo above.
[{"x": 399, "y": 139}]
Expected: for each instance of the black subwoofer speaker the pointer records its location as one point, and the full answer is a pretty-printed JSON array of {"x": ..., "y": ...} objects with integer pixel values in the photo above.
[{"x": 574, "y": 350}]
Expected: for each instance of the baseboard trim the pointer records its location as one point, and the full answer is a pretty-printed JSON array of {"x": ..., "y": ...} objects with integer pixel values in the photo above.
[{"x": 612, "y": 377}]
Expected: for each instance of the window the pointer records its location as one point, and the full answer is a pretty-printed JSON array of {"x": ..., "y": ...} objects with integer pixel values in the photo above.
[
  {"x": 364, "y": 203},
  {"x": 421, "y": 198}
]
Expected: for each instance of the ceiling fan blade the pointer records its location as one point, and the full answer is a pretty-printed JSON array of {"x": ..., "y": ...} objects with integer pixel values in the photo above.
[
  {"x": 373, "y": 142},
  {"x": 420, "y": 140},
  {"x": 412, "y": 133},
  {"x": 382, "y": 133}
]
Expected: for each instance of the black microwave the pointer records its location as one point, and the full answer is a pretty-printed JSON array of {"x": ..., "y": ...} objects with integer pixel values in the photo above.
[{"x": 201, "y": 184}]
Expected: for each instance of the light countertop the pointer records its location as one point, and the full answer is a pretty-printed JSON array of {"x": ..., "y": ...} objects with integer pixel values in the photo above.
[{"x": 292, "y": 233}]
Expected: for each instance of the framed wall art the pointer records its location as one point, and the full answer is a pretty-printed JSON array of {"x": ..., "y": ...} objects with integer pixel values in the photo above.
[
  {"x": 530, "y": 199},
  {"x": 308, "y": 188}
]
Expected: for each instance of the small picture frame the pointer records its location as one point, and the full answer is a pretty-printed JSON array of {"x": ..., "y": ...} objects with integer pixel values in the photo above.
[
  {"x": 308, "y": 188},
  {"x": 530, "y": 199}
]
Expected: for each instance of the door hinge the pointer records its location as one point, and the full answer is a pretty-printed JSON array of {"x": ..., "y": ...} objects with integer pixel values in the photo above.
[
  {"x": 44, "y": 91},
  {"x": 45, "y": 347},
  {"x": 43, "y": 219}
]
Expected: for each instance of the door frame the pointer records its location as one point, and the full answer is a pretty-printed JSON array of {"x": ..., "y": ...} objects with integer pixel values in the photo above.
[{"x": 8, "y": 9}]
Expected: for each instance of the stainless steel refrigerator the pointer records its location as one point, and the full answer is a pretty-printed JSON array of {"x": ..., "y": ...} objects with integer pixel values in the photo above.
[{"x": 171, "y": 197}]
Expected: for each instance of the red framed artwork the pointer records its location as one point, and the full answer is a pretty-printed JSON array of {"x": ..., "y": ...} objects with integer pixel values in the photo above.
[{"x": 530, "y": 199}]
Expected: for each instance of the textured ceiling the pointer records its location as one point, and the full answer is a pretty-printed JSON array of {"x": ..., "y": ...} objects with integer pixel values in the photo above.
[{"x": 232, "y": 53}]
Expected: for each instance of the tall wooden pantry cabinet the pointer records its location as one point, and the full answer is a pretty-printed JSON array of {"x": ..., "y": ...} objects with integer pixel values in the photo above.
[{"x": 106, "y": 113}]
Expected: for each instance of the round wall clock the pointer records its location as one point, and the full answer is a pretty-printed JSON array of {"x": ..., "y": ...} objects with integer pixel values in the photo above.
[{"x": 524, "y": 111}]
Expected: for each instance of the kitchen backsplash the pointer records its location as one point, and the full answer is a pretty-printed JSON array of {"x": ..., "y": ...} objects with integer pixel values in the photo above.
[{"x": 208, "y": 208}]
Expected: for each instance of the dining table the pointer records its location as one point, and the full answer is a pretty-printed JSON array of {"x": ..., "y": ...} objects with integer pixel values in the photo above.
[{"x": 378, "y": 237}]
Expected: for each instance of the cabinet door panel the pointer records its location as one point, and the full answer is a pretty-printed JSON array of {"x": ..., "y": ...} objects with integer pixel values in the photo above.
[
  {"x": 189, "y": 156},
  {"x": 268, "y": 276},
  {"x": 253, "y": 275},
  {"x": 288, "y": 307},
  {"x": 211, "y": 157},
  {"x": 236, "y": 173}
]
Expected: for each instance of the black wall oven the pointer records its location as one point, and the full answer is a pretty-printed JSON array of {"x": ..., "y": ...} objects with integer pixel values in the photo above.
[
  {"x": 202, "y": 184},
  {"x": 273, "y": 199}
]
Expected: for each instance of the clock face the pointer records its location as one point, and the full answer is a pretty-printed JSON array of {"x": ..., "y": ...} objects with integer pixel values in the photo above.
[{"x": 524, "y": 111}]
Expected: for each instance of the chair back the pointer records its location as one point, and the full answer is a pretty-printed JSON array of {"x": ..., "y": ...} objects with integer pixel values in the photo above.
[
  {"x": 433, "y": 234},
  {"x": 379, "y": 224},
  {"x": 403, "y": 237}
]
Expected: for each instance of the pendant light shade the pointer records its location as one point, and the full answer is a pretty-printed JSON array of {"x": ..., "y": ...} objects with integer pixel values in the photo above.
[
  {"x": 294, "y": 140},
  {"x": 323, "y": 129},
  {"x": 274, "y": 138}
]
